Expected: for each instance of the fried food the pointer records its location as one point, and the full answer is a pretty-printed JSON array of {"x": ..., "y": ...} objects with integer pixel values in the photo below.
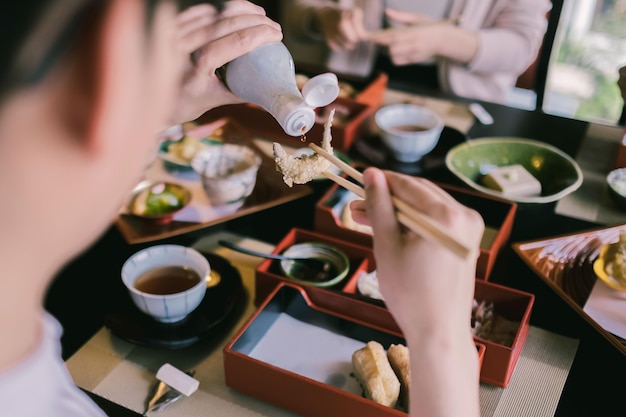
[
  {"x": 374, "y": 373},
  {"x": 398, "y": 356},
  {"x": 304, "y": 168}
]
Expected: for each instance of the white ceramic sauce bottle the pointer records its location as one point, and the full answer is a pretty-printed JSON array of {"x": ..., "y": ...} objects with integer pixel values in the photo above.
[{"x": 266, "y": 77}]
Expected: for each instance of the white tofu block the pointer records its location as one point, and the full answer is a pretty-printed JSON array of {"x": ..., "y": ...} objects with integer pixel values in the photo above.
[
  {"x": 177, "y": 379},
  {"x": 513, "y": 180}
]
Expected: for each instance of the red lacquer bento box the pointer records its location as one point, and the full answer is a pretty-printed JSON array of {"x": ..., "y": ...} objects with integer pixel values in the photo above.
[
  {"x": 515, "y": 306},
  {"x": 509, "y": 304},
  {"x": 268, "y": 273},
  {"x": 295, "y": 352},
  {"x": 498, "y": 215}
]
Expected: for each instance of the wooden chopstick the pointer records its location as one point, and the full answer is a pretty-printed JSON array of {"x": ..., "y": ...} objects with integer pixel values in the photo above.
[{"x": 416, "y": 221}]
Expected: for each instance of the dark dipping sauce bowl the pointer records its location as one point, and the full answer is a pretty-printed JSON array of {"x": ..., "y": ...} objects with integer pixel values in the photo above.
[{"x": 337, "y": 264}]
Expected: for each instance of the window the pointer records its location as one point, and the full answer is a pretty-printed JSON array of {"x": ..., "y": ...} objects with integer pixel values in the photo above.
[{"x": 589, "y": 48}]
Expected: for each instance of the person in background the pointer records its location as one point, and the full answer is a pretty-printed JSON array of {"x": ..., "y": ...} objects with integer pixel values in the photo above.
[
  {"x": 86, "y": 89},
  {"x": 473, "y": 49}
]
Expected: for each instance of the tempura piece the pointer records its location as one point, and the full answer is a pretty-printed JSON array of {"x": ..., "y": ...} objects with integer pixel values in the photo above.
[{"x": 303, "y": 168}]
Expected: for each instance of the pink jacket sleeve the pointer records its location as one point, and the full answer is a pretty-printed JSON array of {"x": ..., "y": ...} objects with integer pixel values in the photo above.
[{"x": 509, "y": 36}]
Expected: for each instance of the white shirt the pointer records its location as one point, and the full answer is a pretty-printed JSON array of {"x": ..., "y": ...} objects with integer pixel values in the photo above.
[{"x": 41, "y": 385}]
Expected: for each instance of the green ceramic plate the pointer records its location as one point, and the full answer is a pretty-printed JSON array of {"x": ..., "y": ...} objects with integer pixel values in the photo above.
[{"x": 558, "y": 173}]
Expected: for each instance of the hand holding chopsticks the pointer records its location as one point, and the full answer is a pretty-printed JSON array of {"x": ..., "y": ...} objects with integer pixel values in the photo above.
[{"x": 416, "y": 221}]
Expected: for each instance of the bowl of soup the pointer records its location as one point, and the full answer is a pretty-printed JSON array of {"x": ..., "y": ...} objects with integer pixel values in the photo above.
[
  {"x": 409, "y": 130},
  {"x": 166, "y": 282}
]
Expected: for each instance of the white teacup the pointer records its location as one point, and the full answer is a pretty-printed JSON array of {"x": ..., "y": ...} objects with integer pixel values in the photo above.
[
  {"x": 409, "y": 130},
  {"x": 167, "y": 282}
]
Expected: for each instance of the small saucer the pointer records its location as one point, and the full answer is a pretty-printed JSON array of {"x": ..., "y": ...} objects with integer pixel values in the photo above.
[
  {"x": 372, "y": 149},
  {"x": 599, "y": 267},
  {"x": 219, "y": 302}
]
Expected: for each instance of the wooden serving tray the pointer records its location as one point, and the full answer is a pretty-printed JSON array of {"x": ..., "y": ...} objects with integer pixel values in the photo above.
[
  {"x": 565, "y": 263},
  {"x": 269, "y": 191}
]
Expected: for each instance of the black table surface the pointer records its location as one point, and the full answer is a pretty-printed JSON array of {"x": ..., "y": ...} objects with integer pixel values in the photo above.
[{"x": 590, "y": 389}]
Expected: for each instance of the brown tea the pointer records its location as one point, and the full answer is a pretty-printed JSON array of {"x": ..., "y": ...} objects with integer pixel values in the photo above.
[
  {"x": 168, "y": 279},
  {"x": 408, "y": 128}
]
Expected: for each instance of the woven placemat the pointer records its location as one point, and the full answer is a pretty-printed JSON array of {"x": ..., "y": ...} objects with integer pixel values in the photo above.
[
  {"x": 537, "y": 381},
  {"x": 534, "y": 390},
  {"x": 124, "y": 373}
]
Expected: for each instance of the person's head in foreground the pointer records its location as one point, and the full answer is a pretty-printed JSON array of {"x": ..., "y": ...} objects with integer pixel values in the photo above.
[{"x": 86, "y": 87}]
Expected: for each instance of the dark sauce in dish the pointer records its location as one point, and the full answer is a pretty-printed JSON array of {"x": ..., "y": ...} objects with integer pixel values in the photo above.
[{"x": 304, "y": 272}]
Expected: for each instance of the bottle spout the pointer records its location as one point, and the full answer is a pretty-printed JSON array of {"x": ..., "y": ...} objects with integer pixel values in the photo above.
[
  {"x": 319, "y": 91},
  {"x": 297, "y": 121}
]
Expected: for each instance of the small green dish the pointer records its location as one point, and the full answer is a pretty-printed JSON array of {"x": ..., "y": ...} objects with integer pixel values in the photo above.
[
  {"x": 558, "y": 173},
  {"x": 158, "y": 201},
  {"x": 338, "y": 262}
]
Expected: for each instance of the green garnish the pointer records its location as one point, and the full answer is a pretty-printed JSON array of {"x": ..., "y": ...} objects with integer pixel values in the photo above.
[{"x": 161, "y": 199}]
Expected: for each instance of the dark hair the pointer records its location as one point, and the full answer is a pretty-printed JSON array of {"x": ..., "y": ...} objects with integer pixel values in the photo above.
[{"x": 34, "y": 34}]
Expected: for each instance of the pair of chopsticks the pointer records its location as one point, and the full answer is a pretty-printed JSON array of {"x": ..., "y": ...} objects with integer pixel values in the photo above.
[{"x": 416, "y": 221}]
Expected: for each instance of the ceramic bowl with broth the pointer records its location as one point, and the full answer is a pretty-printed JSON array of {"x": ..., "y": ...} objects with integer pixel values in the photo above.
[
  {"x": 410, "y": 131},
  {"x": 166, "y": 282}
]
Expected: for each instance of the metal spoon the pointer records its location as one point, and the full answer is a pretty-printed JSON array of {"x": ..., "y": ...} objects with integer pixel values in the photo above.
[{"x": 314, "y": 264}]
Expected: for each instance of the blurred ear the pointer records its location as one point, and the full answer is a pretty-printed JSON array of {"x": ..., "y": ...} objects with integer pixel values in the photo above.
[{"x": 105, "y": 74}]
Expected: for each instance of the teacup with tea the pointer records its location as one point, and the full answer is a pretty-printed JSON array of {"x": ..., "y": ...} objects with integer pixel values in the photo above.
[
  {"x": 409, "y": 130},
  {"x": 167, "y": 282}
]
